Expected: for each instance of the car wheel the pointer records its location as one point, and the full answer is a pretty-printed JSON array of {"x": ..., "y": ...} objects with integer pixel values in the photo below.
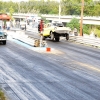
[
  {"x": 4, "y": 42},
  {"x": 43, "y": 38},
  {"x": 67, "y": 36},
  {"x": 57, "y": 39},
  {"x": 52, "y": 36}
]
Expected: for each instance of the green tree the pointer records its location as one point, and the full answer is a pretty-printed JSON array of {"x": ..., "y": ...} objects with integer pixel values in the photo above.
[
  {"x": 71, "y": 8},
  {"x": 68, "y": 7},
  {"x": 74, "y": 23},
  {"x": 86, "y": 29},
  {"x": 11, "y": 11},
  {"x": 96, "y": 10},
  {"x": 89, "y": 8}
]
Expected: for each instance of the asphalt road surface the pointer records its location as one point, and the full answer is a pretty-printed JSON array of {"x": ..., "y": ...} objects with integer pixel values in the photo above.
[{"x": 69, "y": 72}]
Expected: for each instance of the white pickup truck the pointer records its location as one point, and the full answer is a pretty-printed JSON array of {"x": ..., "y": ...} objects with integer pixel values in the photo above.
[{"x": 55, "y": 30}]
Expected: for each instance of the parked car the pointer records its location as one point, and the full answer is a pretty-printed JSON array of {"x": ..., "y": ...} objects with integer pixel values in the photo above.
[
  {"x": 55, "y": 30},
  {"x": 3, "y": 36}
]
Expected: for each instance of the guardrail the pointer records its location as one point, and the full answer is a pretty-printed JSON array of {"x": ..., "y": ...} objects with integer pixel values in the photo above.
[
  {"x": 95, "y": 20},
  {"x": 88, "y": 40},
  {"x": 33, "y": 41}
]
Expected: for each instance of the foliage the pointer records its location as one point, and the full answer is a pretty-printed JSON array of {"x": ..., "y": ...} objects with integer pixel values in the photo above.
[
  {"x": 2, "y": 96},
  {"x": 11, "y": 11},
  {"x": 97, "y": 32},
  {"x": 68, "y": 7},
  {"x": 74, "y": 23},
  {"x": 71, "y": 8},
  {"x": 86, "y": 29},
  {"x": 98, "y": 27}
]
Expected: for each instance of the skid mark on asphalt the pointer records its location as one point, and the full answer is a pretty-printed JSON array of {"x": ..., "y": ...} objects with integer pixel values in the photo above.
[
  {"x": 74, "y": 65},
  {"x": 53, "y": 51},
  {"x": 88, "y": 66}
]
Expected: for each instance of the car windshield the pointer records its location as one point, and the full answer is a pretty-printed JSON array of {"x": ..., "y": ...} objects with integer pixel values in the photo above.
[
  {"x": 1, "y": 29},
  {"x": 58, "y": 24},
  {"x": 1, "y": 32}
]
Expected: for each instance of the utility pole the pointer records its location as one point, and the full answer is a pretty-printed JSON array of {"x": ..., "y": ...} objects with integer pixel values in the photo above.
[
  {"x": 19, "y": 10},
  {"x": 81, "y": 21},
  {"x": 59, "y": 10}
]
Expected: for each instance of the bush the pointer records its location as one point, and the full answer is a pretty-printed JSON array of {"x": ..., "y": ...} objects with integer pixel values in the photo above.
[
  {"x": 2, "y": 96},
  {"x": 97, "y": 32},
  {"x": 74, "y": 23},
  {"x": 98, "y": 27},
  {"x": 86, "y": 29}
]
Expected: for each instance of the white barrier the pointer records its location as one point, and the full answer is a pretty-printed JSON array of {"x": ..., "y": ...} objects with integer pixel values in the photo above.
[
  {"x": 33, "y": 41},
  {"x": 92, "y": 41},
  {"x": 87, "y": 40}
]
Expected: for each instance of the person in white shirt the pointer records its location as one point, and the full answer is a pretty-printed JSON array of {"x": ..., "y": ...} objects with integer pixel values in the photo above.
[{"x": 8, "y": 25}]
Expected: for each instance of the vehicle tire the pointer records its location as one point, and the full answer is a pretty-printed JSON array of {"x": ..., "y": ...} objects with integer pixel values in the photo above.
[
  {"x": 4, "y": 42},
  {"x": 57, "y": 39},
  {"x": 75, "y": 33},
  {"x": 43, "y": 38},
  {"x": 52, "y": 36},
  {"x": 67, "y": 36}
]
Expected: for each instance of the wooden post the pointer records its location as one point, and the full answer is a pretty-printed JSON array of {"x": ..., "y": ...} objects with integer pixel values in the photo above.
[
  {"x": 59, "y": 10},
  {"x": 81, "y": 21}
]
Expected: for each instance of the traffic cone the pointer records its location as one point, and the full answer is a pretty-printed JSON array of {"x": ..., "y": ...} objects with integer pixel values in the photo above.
[{"x": 48, "y": 49}]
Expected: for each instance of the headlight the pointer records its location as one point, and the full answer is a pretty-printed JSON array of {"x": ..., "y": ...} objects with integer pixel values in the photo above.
[
  {"x": 55, "y": 28},
  {"x": 5, "y": 33}
]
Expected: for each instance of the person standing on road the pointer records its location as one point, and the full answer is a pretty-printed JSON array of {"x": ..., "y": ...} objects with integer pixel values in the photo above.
[
  {"x": 8, "y": 25},
  {"x": 40, "y": 27},
  {"x": 40, "y": 30},
  {"x": 75, "y": 32}
]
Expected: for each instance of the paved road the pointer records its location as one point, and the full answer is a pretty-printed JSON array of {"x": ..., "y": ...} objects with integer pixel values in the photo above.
[{"x": 72, "y": 72}]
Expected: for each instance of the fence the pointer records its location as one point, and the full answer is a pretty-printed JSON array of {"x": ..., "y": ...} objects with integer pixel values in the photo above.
[
  {"x": 87, "y": 40},
  {"x": 28, "y": 39}
]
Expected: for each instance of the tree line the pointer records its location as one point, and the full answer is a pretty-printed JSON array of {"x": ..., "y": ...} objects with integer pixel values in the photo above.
[{"x": 68, "y": 7}]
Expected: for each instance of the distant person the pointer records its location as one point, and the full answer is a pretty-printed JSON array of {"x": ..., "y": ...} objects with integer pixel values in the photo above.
[
  {"x": 92, "y": 34},
  {"x": 95, "y": 35},
  {"x": 28, "y": 22},
  {"x": 14, "y": 23},
  {"x": 75, "y": 32},
  {"x": 41, "y": 26},
  {"x": 25, "y": 27},
  {"x": 8, "y": 25}
]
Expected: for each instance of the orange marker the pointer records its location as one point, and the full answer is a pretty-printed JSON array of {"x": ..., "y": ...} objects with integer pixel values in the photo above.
[{"x": 48, "y": 49}]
